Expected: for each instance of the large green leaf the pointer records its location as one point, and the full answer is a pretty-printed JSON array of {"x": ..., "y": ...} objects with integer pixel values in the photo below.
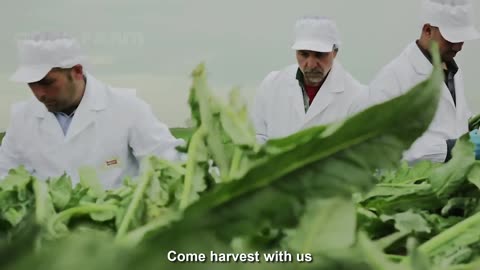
[
  {"x": 447, "y": 179},
  {"x": 427, "y": 185},
  {"x": 326, "y": 226}
]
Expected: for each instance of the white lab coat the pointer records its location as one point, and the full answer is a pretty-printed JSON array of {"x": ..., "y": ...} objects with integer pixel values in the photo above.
[
  {"x": 450, "y": 122},
  {"x": 111, "y": 131},
  {"x": 279, "y": 107}
]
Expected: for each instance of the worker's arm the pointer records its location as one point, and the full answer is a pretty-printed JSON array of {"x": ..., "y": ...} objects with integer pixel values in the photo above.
[
  {"x": 9, "y": 149},
  {"x": 148, "y": 136}
]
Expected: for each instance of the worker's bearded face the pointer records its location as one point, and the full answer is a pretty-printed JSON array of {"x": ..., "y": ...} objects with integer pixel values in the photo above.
[{"x": 315, "y": 65}]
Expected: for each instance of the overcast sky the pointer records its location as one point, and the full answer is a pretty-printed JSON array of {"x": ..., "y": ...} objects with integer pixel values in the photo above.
[{"x": 152, "y": 45}]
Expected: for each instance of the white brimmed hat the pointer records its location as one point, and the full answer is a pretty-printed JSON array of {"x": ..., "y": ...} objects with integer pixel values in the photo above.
[
  {"x": 454, "y": 18},
  {"x": 317, "y": 34},
  {"x": 41, "y": 52}
]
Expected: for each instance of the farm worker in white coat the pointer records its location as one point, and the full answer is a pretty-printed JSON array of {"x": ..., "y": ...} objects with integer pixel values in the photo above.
[
  {"x": 74, "y": 120},
  {"x": 450, "y": 23},
  {"x": 315, "y": 91}
]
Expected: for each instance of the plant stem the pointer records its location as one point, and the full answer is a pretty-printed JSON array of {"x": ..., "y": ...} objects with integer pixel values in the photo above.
[
  {"x": 450, "y": 234},
  {"x": 79, "y": 210},
  {"x": 147, "y": 176},
  {"x": 134, "y": 237},
  {"x": 41, "y": 192},
  {"x": 196, "y": 139},
  {"x": 237, "y": 157}
]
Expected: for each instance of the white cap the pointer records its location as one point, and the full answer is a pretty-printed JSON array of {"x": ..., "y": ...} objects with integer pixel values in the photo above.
[
  {"x": 454, "y": 18},
  {"x": 317, "y": 34},
  {"x": 41, "y": 52}
]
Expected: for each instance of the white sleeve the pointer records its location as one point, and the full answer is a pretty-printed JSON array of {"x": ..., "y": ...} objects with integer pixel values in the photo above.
[
  {"x": 461, "y": 98},
  {"x": 427, "y": 147},
  {"x": 148, "y": 136},
  {"x": 9, "y": 149},
  {"x": 259, "y": 108},
  {"x": 384, "y": 87},
  {"x": 360, "y": 102}
]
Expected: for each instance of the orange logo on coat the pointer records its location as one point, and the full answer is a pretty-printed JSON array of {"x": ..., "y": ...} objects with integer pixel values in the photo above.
[{"x": 112, "y": 162}]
